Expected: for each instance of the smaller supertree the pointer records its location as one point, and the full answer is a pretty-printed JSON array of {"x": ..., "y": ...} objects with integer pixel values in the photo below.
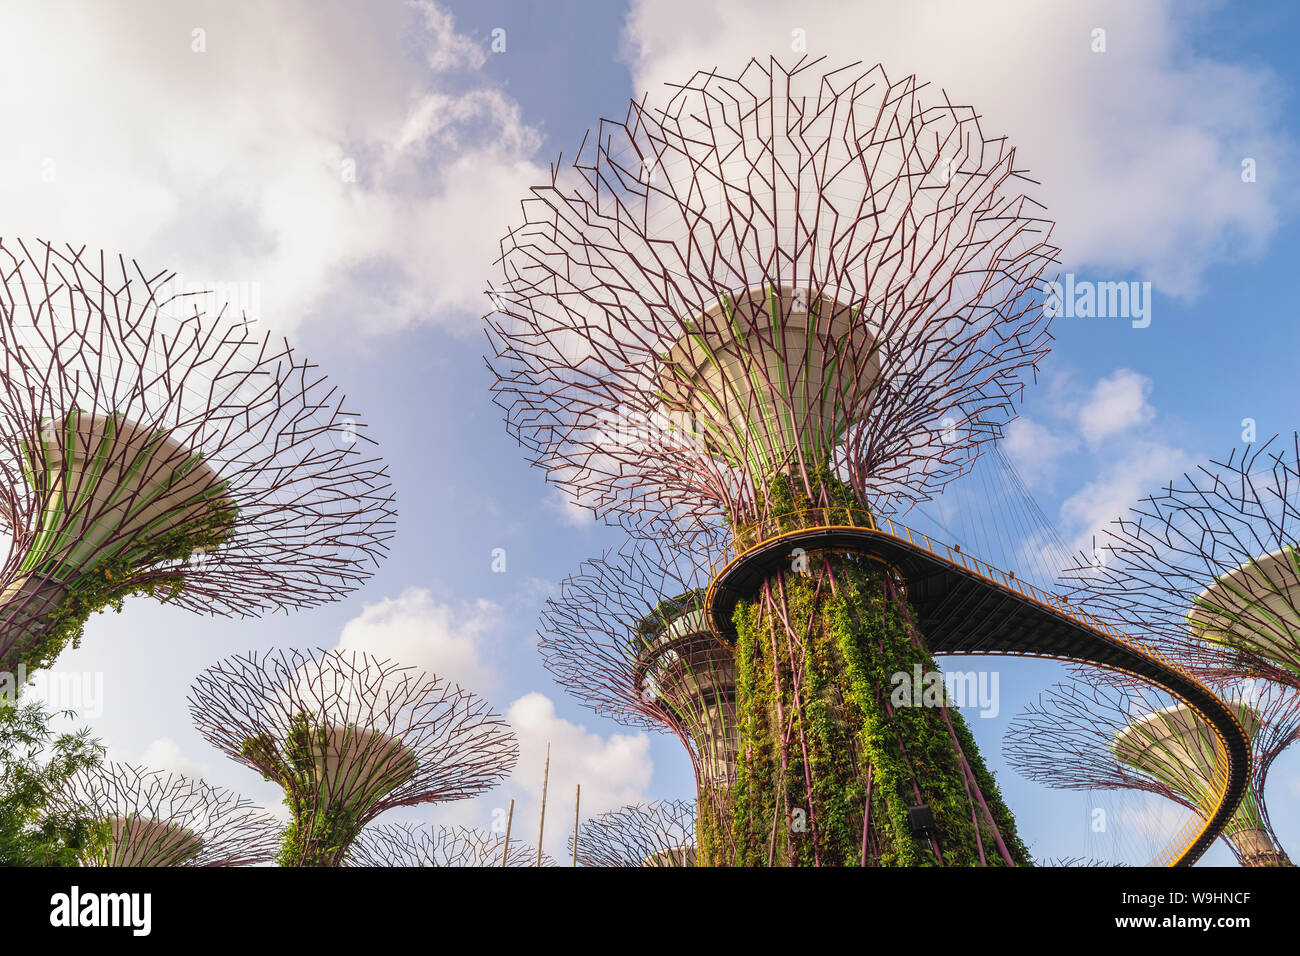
[
  {"x": 1075, "y": 861},
  {"x": 149, "y": 447},
  {"x": 661, "y": 833},
  {"x": 1209, "y": 565},
  {"x": 348, "y": 736},
  {"x": 153, "y": 818},
  {"x": 410, "y": 844},
  {"x": 629, "y": 637},
  {"x": 1115, "y": 735}
]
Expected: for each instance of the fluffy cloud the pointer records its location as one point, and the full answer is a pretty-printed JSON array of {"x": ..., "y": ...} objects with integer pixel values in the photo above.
[
  {"x": 1117, "y": 403},
  {"x": 1139, "y": 148},
  {"x": 287, "y": 148},
  {"x": 614, "y": 771},
  {"x": 454, "y": 642},
  {"x": 1036, "y": 448},
  {"x": 1139, "y": 470}
]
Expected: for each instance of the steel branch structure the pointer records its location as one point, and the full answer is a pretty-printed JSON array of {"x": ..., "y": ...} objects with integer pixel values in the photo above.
[
  {"x": 412, "y": 845},
  {"x": 785, "y": 272},
  {"x": 1209, "y": 565},
  {"x": 164, "y": 819},
  {"x": 661, "y": 833},
  {"x": 148, "y": 447},
  {"x": 784, "y": 301},
  {"x": 629, "y": 636},
  {"x": 1116, "y": 735},
  {"x": 347, "y": 737}
]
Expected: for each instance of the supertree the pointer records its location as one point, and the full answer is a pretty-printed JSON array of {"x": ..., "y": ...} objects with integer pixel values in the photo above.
[
  {"x": 1118, "y": 735},
  {"x": 1209, "y": 566},
  {"x": 149, "y": 448},
  {"x": 660, "y": 833},
  {"x": 783, "y": 301},
  {"x": 348, "y": 736},
  {"x": 628, "y": 636},
  {"x": 412, "y": 845},
  {"x": 1075, "y": 861},
  {"x": 152, "y": 818}
]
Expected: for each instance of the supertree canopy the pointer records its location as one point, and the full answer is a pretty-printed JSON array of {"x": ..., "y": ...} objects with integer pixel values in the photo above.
[
  {"x": 412, "y": 845},
  {"x": 661, "y": 833},
  {"x": 628, "y": 636},
  {"x": 149, "y": 448},
  {"x": 347, "y": 737},
  {"x": 151, "y": 818},
  {"x": 786, "y": 300},
  {"x": 1209, "y": 565},
  {"x": 1118, "y": 735}
]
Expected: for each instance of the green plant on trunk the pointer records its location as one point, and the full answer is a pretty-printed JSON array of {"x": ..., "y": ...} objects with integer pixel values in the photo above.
[
  {"x": 320, "y": 831},
  {"x": 822, "y": 746},
  {"x": 109, "y": 583}
]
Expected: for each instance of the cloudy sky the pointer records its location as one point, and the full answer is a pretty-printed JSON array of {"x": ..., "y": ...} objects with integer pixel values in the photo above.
[{"x": 345, "y": 171}]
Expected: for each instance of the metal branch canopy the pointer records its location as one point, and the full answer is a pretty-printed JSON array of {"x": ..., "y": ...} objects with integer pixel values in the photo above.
[
  {"x": 148, "y": 447},
  {"x": 413, "y": 845},
  {"x": 786, "y": 270},
  {"x": 1210, "y": 565},
  {"x": 348, "y": 736},
  {"x": 660, "y": 833},
  {"x": 1126, "y": 736},
  {"x": 165, "y": 819}
]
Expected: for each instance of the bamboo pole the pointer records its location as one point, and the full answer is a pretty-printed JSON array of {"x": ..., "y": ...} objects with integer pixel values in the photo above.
[
  {"x": 541, "y": 826},
  {"x": 510, "y": 816},
  {"x": 577, "y": 801}
]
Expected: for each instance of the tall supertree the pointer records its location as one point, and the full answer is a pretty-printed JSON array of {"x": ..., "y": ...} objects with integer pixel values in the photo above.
[
  {"x": 628, "y": 635},
  {"x": 786, "y": 300},
  {"x": 409, "y": 844},
  {"x": 149, "y": 448},
  {"x": 660, "y": 833},
  {"x": 152, "y": 818},
  {"x": 1117, "y": 735},
  {"x": 1209, "y": 566},
  {"x": 348, "y": 736}
]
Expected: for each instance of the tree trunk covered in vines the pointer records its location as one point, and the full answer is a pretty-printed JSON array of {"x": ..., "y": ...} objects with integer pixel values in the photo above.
[{"x": 821, "y": 741}]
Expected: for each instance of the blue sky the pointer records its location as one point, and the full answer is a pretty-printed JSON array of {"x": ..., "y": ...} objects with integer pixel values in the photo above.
[{"x": 225, "y": 164}]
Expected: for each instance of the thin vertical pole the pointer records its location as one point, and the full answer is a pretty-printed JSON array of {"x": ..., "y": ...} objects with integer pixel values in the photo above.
[
  {"x": 577, "y": 800},
  {"x": 510, "y": 816},
  {"x": 541, "y": 826}
]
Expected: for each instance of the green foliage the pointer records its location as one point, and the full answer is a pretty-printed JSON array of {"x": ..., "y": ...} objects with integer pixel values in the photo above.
[
  {"x": 32, "y": 832},
  {"x": 319, "y": 833},
  {"x": 814, "y": 733},
  {"x": 111, "y": 582}
]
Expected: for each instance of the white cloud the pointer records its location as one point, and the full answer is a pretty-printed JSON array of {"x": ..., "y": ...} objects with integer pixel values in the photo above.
[
  {"x": 1139, "y": 470},
  {"x": 1036, "y": 449},
  {"x": 457, "y": 643},
  {"x": 233, "y": 164},
  {"x": 1139, "y": 149},
  {"x": 1117, "y": 403},
  {"x": 165, "y": 754},
  {"x": 614, "y": 771},
  {"x": 574, "y": 514}
]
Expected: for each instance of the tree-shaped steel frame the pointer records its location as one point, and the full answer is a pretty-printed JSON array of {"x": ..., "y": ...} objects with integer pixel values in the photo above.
[
  {"x": 348, "y": 736},
  {"x": 628, "y": 636},
  {"x": 414, "y": 845},
  {"x": 1209, "y": 565},
  {"x": 148, "y": 446},
  {"x": 660, "y": 833},
  {"x": 853, "y": 250},
  {"x": 1115, "y": 734},
  {"x": 155, "y": 818}
]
